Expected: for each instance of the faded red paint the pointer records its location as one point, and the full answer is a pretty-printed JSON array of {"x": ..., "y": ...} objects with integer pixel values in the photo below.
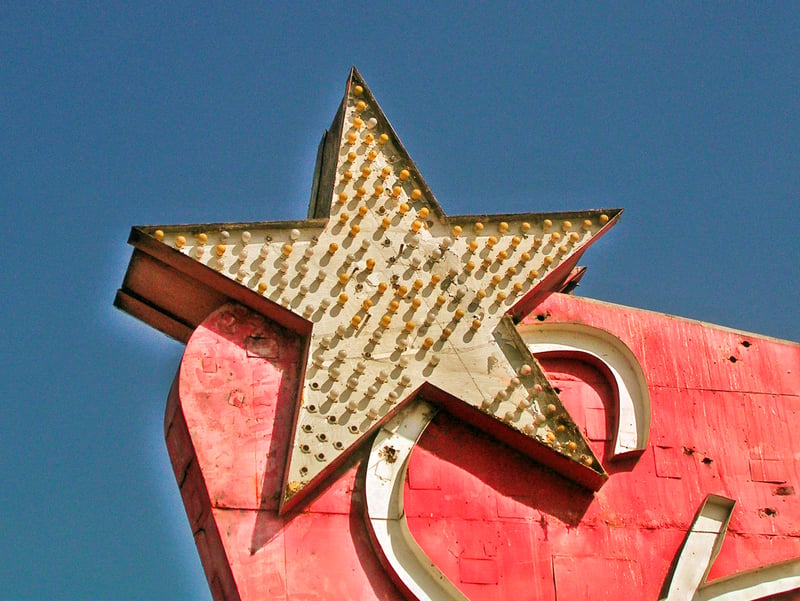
[{"x": 724, "y": 405}]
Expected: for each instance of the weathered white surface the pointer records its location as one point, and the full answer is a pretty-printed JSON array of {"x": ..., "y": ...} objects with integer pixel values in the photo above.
[
  {"x": 399, "y": 295},
  {"x": 633, "y": 396},
  {"x": 702, "y": 546},
  {"x": 386, "y": 472}
]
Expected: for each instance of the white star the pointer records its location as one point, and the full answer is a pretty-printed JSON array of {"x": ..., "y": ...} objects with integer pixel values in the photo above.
[{"x": 404, "y": 301}]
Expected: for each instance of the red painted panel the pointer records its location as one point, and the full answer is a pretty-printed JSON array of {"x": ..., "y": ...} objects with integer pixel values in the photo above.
[
  {"x": 228, "y": 422},
  {"x": 499, "y": 525},
  {"x": 709, "y": 416},
  {"x": 574, "y": 579}
]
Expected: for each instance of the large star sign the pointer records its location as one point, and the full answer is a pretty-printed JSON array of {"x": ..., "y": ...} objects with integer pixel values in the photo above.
[{"x": 396, "y": 299}]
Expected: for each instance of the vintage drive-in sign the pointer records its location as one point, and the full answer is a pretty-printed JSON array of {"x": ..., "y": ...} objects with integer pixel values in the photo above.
[{"x": 384, "y": 401}]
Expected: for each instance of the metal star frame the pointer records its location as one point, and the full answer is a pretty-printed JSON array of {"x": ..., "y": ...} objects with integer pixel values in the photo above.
[{"x": 395, "y": 299}]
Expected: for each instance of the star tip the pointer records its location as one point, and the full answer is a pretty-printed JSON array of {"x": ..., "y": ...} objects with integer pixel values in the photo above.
[
  {"x": 355, "y": 75},
  {"x": 290, "y": 496}
]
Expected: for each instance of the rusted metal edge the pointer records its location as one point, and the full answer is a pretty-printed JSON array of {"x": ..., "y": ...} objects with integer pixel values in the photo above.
[
  {"x": 198, "y": 274},
  {"x": 158, "y": 318}
]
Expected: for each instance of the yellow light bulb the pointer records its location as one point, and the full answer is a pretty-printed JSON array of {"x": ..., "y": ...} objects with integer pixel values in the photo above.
[
  {"x": 351, "y": 138},
  {"x": 416, "y": 193},
  {"x": 361, "y": 106},
  {"x": 386, "y": 320},
  {"x": 533, "y": 274},
  {"x": 416, "y": 303},
  {"x": 404, "y": 174},
  {"x": 347, "y": 175},
  {"x": 333, "y": 247},
  {"x": 358, "y": 123},
  {"x": 524, "y": 257},
  {"x": 587, "y": 224},
  {"x": 435, "y": 279},
  {"x": 525, "y": 227},
  {"x": 478, "y": 227},
  {"x": 220, "y": 249},
  {"x": 358, "y": 90},
  {"x": 518, "y": 287},
  {"x": 378, "y": 190},
  {"x": 262, "y": 287},
  {"x": 367, "y": 304},
  {"x": 386, "y": 172},
  {"x": 369, "y": 138},
  {"x": 473, "y": 246},
  {"x": 496, "y": 279},
  {"x": 355, "y": 321},
  {"x": 555, "y": 237},
  {"x": 501, "y": 296},
  {"x": 418, "y": 284},
  {"x": 603, "y": 218},
  {"x": 287, "y": 249},
  {"x": 354, "y": 230},
  {"x": 372, "y": 155},
  {"x": 502, "y": 227},
  {"x": 351, "y": 156},
  {"x": 382, "y": 287},
  {"x": 515, "y": 241},
  {"x": 458, "y": 313},
  {"x": 409, "y": 326},
  {"x": 361, "y": 192},
  {"x": 469, "y": 266},
  {"x": 403, "y": 208},
  {"x": 396, "y": 191},
  {"x": 401, "y": 291},
  {"x": 343, "y": 217},
  {"x": 424, "y": 212},
  {"x": 502, "y": 255},
  {"x": 365, "y": 172},
  {"x": 511, "y": 271},
  {"x": 548, "y": 260},
  {"x": 386, "y": 222},
  {"x": 566, "y": 226},
  {"x": 441, "y": 299},
  {"x": 481, "y": 293},
  {"x": 383, "y": 139},
  {"x": 202, "y": 238},
  {"x": 427, "y": 343},
  {"x": 394, "y": 306},
  {"x": 342, "y": 298},
  {"x": 446, "y": 332},
  {"x": 476, "y": 323},
  {"x": 180, "y": 241},
  {"x": 457, "y": 231},
  {"x": 416, "y": 225},
  {"x": 158, "y": 235},
  {"x": 547, "y": 224},
  {"x": 362, "y": 210},
  {"x": 574, "y": 237}
]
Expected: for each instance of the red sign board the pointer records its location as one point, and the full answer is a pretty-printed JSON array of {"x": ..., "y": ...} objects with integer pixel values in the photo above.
[{"x": 385, "y": 402}]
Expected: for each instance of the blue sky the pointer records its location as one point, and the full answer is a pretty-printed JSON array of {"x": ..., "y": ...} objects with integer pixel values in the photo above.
[{"x": 687, "y": 115}]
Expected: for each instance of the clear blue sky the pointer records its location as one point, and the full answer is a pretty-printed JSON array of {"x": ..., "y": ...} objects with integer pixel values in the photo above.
[{"x": 687, "y": 115}]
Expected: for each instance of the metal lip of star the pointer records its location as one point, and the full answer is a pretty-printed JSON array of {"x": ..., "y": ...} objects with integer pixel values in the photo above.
[{"x": 395, "y": 300}]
